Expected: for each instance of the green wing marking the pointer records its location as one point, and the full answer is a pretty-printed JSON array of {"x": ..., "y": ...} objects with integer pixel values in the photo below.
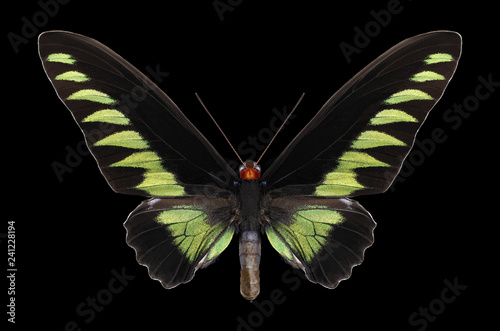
[
  {"x": 90, "y": 95},
  {"x": 324, "y": 237},
  {"x": 61, "y": 58},
  {"x": 426, "y": 76},
  {"x": 439, "y": 58},
  {"x": 74, "y": 76},
  {"x": 372, "y": 139},
  {"x": 127, "y": 139},
  {"x": 388, "y": 116},
  {"x": 175, "y": 237},
  {"x": 407, "y": 95},
  {"x": 111, "y": 116}
]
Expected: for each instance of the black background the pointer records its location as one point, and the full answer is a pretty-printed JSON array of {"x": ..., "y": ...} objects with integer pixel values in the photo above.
[{"x": 438, "y": 225}]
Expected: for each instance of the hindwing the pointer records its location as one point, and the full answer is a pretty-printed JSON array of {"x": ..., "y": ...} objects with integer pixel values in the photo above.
[
  {"x": 174, "y": 237},
  {"x": 325, "y": 238}
]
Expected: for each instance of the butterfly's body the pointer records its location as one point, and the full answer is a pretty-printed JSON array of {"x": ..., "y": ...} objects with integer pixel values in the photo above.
[{"x": 302, "y": 203}]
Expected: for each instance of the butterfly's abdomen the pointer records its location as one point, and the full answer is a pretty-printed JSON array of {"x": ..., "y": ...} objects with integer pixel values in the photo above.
[
  {"x": 249, "y": 226},
  {"x": 250, "y": 260}
]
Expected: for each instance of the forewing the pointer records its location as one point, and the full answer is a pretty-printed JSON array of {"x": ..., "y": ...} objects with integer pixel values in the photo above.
[
  {"x": 325, "y": 238},
  {"x": 142, "y": 142},
  {"x": 174, "y": 237},
  {"x": 357, "y": 142}
]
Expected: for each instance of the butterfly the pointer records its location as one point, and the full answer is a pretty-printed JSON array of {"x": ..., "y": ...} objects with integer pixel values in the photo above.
[{"x": 355, "y": 145}]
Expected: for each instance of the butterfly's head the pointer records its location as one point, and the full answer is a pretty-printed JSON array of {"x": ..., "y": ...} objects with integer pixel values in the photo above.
[{"x": 250, "y": 170}]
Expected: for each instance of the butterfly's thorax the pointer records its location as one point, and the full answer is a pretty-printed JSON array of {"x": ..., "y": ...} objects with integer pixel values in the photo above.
[
  {"x": 250, "y": 199},
  {"x": 249, "y": 226}
]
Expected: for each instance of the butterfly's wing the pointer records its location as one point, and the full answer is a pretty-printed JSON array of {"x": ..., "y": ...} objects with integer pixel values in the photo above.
[
  {"x": 355, "y": 145},
  {"x": 142, "y": 142},
  {"x": 174, "y": 237},
  {"x": 325, "y": 238},
  {"x": 357, "y": 142},
  {"x": 144, "y": 145}
]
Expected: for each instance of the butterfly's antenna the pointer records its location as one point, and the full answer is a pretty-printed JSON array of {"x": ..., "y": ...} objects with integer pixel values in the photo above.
[
  {"x": 213, "y": 119},
  {"x": 282, "y": 125}
]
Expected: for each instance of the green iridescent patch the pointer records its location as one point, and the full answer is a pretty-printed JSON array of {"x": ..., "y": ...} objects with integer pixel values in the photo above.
[
  {"x": 407, "y": 95},
  {"x": 147, "y": 159},
  {"x": 279, "y": 245},
  {"x": 221, "y": 243},
  {"x": 128, "y": 139},
  {"x": 372, "y": 139},
  {"x": 74, "y": 76},
  {"x": 353, "y": 159},
  {"x": 111, "y": 116},
  {"x": 438, "y": 58},
  {"x": 387, "y": 116},
  {"x": 426, "y": 76},
  {"x": 342, "y": 180},
  {"x": 61, "y": 58},
  {"x": 157, "y": 181},
  {"x": 160, "y": 184},
  {"x": 339, "y": 184},
  {"x": 92, "y": 95}
]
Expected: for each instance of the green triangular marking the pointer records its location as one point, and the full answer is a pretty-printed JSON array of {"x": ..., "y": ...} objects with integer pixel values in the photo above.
[
  {"x": 407, "y": 95},
  {"x": 387, "y": 116},
  {"x": 372, "y": 139},
  {"x": 74, "y": 76},
  {"x": 426, "y": 76},
  {"x": 111, "y": 116},
  {"x": 92, "y": 95},
  {"x": 61, "y": 58},
  {"x": 148, "y": 160},
  {"x": 128, "y": 139},
  {"x": 438, "y": 58}
]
